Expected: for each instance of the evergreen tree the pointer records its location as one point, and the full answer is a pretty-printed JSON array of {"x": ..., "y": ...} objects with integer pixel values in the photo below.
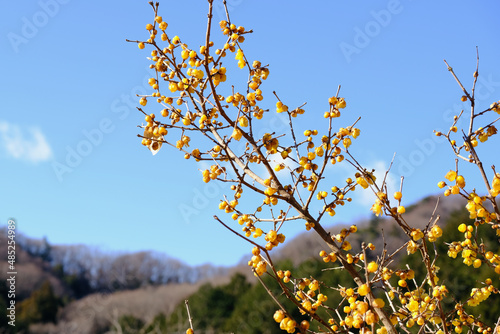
[{"x": 41, "y": 306}]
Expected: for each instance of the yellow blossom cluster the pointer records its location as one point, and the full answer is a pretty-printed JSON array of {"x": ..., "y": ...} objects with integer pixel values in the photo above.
[
  {"x": 403, "y": 276},
  {"x": 257, "y": 263},
  {"x": 273, "y": 239},
  {"x": 477, "y": 210},
  {"x": 328, "y": 257},
  {"x": 484, "y": 134},
  {"x": 249, "y": 225},
  {"x": 284, "y": 275},
  {"x": 495, "y": 106},
  {"x": 270, "y": 143},
  {"x": 453, "y": 189},
  {"x": 310, "y": 300},
  {"x": 420, "y": 307},
  {"x": 153, "y": 134},
  {"x": 434, "y": 233},
  {"x": 495, "y": 185},
  {"x": 213, "y": 173},
  {"x": 478, "y": 295},
  {"x": 185, "y": 70},
  {"x": 470, "y": 250},
  {"x": 359, "y": 313},
  {"x": 378, "y": 206},
  {"x": 335, "y": 105},
  {"x": 286, "y": 323},
  {"x": 208, "y": 119},
  {"x": 365, "y": 180},
  {"x": 341, "y": 237}
]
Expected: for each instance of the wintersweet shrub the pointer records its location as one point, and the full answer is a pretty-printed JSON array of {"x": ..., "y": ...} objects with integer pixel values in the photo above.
[{"x": 187, "y": 110}]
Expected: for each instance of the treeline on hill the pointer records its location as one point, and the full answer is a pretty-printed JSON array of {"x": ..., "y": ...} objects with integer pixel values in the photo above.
[
  {"x": 51, "y": 276},
  {"x": 55, "y": 278},
  {"x": 244, "y": 308},
  {"x": 236, "y": 307}
]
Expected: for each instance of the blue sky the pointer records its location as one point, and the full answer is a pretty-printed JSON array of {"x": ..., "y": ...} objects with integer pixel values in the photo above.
[{"x": 69, "y": 83}]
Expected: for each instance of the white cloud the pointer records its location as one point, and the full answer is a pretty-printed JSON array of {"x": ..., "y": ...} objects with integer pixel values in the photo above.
[
  {"x": 366, "y": 196},
  {"x": 24, "y": 144}
]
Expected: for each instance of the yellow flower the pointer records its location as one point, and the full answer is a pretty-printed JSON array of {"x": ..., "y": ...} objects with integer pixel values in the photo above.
[
  {"x": 451, "y": 175},
  {"x": 377, "y": 208},
  {"x": 237, "y": 134},
  {"x": 372, "y": 267},
  {"x": 363, "y": 290},
  {"x": 362, "y": 182}
]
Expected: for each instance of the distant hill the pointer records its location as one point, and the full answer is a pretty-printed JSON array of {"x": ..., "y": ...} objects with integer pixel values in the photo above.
[
  {"x": 103, "y": 271},
  {"x": 96, "y": 289},
  {"x": 245, "y": 308},
  {"x": 32, "y": 270},
  {"x": 92, "y": 284},
  {"x": 307, "y": 245},
  {"x": 95, "y": 313}
]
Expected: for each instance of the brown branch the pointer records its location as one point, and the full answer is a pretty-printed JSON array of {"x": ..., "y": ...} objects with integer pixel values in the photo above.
[{"x": 189, "y": 314}]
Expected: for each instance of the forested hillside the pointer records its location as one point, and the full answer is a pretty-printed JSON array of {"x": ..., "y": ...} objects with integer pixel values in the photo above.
[
  {"x": 78, "y": 289},
  {"x": 76, "y": 283}
]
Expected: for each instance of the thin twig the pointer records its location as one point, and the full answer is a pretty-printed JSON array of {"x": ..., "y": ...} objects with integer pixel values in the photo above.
[{"x": 189, "y": 314}]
